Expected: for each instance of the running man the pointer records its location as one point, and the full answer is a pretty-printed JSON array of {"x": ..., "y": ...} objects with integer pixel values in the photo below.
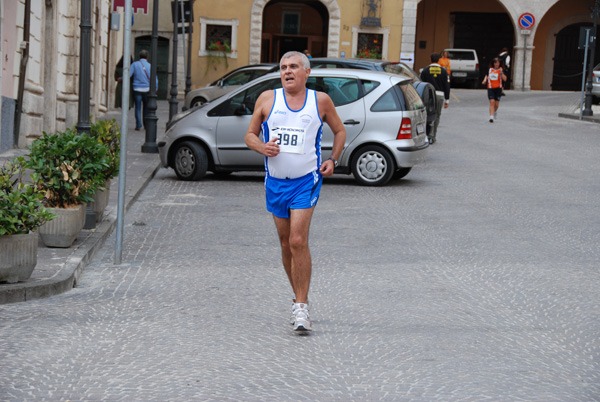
[{"x": 291, "y": 121}]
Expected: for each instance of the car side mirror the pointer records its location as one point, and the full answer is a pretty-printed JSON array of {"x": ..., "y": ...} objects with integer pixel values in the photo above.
[
  {"x": 220, "y": 83},
  {"x": 243, "y": 110}
]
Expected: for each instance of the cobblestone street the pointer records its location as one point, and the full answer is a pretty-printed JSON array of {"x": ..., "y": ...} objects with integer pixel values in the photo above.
[{"x": 475, "y": 278}]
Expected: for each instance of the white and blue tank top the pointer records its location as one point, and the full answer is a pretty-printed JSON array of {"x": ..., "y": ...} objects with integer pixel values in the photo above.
[{"x": 299, "y": 133}]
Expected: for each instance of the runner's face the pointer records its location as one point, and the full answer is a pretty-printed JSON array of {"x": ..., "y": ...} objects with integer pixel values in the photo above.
[
  {"x": 293, "y": 74},
  {"x": 496, "y": 64}
]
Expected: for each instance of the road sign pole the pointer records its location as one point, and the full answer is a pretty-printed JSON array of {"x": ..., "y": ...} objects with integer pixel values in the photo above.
[
  {"x": 587, "y": 39},
  {"x": 524, "y": 62}
]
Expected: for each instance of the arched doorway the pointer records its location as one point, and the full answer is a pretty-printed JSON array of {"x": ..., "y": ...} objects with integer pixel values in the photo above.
[
  {"x": 256, "y": 23},
  {"x": 485, "y": 26},
  {"x": 568, "y": 59},
  {"x": 294, "y": 26}
]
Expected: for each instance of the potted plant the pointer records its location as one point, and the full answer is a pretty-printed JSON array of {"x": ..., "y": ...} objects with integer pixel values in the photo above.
[
  {"x": 22, "y": 212},
  {"x": 217, "y": 52},
  {"x": 69, "y": 170},
  {"x": 108, "y": 133}
]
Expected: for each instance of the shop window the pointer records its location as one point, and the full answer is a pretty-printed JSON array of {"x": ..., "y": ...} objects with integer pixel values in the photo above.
[{"x": 218, "y": 37}]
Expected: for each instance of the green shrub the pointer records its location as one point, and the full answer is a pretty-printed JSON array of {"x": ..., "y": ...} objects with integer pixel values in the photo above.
[
  {"x": 21, "y": 203},
  {"x": 70, "y": 167},
  {"x": 107, "y": 132}
]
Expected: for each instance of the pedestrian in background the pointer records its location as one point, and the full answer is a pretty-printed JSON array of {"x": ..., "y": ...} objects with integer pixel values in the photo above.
[
  {"x": 445, "y": 61},
  {"x": 504, "y": 57},
  {"x": 140, "y": 71},
  {"x": 494, "y": 79},
  {"x": 437, "y": 76},
  {"x": 291, "y": 121},
  {"x": 119, "y": 90}
]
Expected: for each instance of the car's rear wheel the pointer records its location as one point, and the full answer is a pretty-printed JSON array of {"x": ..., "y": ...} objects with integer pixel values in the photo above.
[
  {"x": 190, "y": 161},
  {"x": 400, "y": 173},
  {"x": 198, "y": 102},
  {"x": 373, "y": 166}
]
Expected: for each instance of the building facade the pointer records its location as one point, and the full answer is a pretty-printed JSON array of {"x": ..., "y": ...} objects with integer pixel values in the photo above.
[
  {"x": 40, "y": 46},
  {"x": 544, "y": 54},
  {"x": 39, "y": 42}
]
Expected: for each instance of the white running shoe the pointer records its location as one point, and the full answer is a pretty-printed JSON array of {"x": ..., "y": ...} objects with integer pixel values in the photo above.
[
  {"x": 293, "y": 315},
  {"x": 302, "y": 320},
  {"x": 491, "y": 119}
]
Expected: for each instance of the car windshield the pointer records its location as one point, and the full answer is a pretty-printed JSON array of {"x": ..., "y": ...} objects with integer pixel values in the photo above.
[
  {"x": 238, "y": 78},
  {"x": 243, "y": 103},
  {"x": 401, "y": 69}
]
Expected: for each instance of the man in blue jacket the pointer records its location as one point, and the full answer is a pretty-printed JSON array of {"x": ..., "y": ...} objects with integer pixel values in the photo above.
[{"x": 140, "y": 71}]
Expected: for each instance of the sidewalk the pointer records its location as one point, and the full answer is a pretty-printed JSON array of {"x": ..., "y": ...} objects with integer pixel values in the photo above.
[
  {"x": 58, "y": 270},
  {"x": 572, "y": 112}
]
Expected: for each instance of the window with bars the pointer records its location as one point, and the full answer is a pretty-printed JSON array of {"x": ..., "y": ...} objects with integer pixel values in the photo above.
[
  {"x": 370, "y": 45},
  {"x": 218, "y": 38}
]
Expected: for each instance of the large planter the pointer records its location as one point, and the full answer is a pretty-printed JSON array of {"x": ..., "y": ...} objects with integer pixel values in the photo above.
[
  {"x": 63, "y": 230},
  {"x": 19, "y": 256},
  {"x": 101, "y": 200}
]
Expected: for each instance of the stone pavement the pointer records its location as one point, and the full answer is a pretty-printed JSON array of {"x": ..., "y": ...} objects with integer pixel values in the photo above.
[
  {"x": 475, "y": 278},
  {"x": 57, "y": 269}
]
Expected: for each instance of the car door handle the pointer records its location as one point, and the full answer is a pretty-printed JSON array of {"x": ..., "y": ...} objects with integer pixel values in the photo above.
[{"x": 352, "y": 122}]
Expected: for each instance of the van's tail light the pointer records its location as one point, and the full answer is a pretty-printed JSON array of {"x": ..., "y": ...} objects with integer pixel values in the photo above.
[
  {"x": 476, "y": 66},
  {"x": 405, "y": 132}
]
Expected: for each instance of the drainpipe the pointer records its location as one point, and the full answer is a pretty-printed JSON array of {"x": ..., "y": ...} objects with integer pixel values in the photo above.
[{"x": 22, "y": 73}]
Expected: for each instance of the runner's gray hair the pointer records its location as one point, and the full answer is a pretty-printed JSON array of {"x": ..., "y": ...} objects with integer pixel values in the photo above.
[{"x": 305, "y": 62}]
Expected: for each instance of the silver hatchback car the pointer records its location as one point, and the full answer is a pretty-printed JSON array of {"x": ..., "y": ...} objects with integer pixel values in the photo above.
[{"x": 383, "y": 114}]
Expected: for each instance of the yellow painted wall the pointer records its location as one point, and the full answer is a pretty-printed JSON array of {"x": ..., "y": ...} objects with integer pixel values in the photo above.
[{"x": 350, "y": 11}]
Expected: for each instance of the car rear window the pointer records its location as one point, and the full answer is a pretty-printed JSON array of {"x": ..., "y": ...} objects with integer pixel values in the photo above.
[
  {"x": 461, "y": 55},
  {"x": 401, "y": 97}
]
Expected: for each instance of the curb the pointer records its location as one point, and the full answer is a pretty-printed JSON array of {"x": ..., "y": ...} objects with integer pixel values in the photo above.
[
  {"x": 69, "y": 275},
  {"x": 575, "y": 116}
]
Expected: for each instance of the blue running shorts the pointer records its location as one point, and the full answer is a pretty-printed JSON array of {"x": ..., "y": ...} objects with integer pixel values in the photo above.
[{"x": 285, "y": 194}]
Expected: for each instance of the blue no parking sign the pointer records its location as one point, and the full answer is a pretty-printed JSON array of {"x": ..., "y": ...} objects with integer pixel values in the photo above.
[{"x": 526, "y": 21}]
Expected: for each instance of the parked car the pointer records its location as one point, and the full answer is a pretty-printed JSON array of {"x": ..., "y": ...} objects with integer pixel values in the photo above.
[
  {"x": 227, "y": 83},
  {"x": 426, "y": 90},
  {"x": 383, "y": 115},
  {"x": 464, "y": 67},
  {"x": 596, "y": 85}
]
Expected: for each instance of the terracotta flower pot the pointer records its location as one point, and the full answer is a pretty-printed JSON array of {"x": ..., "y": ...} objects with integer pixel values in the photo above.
[{"x": 19, "y": 256}]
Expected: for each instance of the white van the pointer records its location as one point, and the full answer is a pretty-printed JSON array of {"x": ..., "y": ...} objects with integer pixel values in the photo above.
[{"x": 464, "y": 66}]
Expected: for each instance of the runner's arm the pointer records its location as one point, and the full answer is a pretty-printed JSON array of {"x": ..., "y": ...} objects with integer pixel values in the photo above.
[{"x": 252, "y": 138}]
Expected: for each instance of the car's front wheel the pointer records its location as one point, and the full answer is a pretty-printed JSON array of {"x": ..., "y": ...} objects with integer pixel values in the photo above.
[
  {"x": 198, "y": 102},
  {"x": 373, "y": 166},
  {"x": 190, "y": 161}
]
